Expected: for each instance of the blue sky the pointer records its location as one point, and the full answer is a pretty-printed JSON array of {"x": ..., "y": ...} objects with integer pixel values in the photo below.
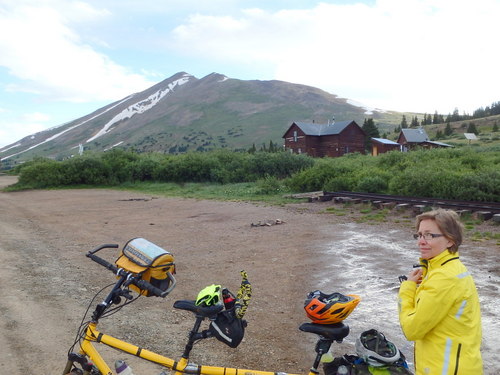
[{"x": 62, "y": 59}]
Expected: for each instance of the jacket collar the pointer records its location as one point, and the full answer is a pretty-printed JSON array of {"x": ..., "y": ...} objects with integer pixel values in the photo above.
[{"x": 438, "y": 260}]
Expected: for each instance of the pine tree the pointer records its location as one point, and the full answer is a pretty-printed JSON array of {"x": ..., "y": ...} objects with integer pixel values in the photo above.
[
  {"x": 404, "y": 123},
  {"x": 414, "y": 122},
  {"x": 371, "y": 131},
  {"x": 427, "y": 120},
  {"x": 495, "y": 127},
  {"x": 472, "y": 128},
  {"x": 448, "y": 130},
  {"x": 272, "y": 146},
  {"x": 455, "y": 116},
  {"x": 435, "y": 118}
]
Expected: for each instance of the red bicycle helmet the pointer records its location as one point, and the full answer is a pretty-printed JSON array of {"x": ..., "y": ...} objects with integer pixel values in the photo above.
[{"x": 332, "y": 308}]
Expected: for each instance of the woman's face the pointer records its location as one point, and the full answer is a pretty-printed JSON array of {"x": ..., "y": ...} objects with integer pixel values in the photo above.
[{"x": 435, "y": 246}]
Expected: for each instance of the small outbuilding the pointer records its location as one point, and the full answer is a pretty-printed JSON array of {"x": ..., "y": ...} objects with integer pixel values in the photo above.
[
  {"x": 411, "y": 138},
  {"x": 382, "y": 145},
  {"x": 434, "y": 144},
  {"x": 320, "y": 140}
]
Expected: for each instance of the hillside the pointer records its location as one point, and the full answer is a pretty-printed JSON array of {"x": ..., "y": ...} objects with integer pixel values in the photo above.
[
  {"x": 486, "y": 134},
  {"x": 184, "y": 113}
]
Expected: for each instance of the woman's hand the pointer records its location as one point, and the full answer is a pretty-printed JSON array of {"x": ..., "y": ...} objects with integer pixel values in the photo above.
[{"x": 415, "y": 275}]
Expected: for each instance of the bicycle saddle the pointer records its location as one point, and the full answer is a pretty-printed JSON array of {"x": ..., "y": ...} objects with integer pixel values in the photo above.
[
  {"x": 200, "y": 310},
  {"x": 335, "y": 331}
]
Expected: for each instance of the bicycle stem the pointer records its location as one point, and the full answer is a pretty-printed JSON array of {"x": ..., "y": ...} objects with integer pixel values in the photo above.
[{"x": 101, "y": 308}]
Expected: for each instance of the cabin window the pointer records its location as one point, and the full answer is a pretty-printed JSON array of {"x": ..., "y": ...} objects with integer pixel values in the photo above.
[{"x": 295, "y": 135}]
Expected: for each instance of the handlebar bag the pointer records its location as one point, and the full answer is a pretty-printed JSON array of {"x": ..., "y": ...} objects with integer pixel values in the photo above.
[{"x": 142, "y": 257}]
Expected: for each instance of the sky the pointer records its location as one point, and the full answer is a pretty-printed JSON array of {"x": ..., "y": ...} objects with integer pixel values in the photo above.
[{"x": 62, "y": 59}]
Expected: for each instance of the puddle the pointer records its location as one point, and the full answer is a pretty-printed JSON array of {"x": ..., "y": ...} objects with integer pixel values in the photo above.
[{"x": 368, "y": 264}]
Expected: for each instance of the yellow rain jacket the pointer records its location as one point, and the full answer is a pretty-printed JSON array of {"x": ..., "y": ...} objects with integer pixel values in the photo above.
[{"x": 442, "y": 315}]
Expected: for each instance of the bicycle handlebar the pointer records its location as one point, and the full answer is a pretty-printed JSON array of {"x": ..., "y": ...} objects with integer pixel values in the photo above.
[
  {"x": 105, "y": 246},
  {"x": 104, "y": 263},
  {"x": 141, "y": 284}
]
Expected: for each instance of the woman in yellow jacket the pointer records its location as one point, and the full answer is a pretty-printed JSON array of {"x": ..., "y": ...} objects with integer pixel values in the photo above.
[{"x": 438, "y": 304}]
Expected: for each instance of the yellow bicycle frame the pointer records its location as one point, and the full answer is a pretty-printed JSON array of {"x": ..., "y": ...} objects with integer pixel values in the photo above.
[
  {"x": 180, "y": 367},
  {"x": 92, "y": 335}
]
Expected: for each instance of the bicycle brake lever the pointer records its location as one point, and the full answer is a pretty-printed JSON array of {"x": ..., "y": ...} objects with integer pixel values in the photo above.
[{"x": 127, "y": 294}]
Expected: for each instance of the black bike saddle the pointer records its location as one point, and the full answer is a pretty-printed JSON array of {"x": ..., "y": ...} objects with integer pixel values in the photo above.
[
  {"x": 337, "y": 331},
  {"x": 199, "y": 310}
]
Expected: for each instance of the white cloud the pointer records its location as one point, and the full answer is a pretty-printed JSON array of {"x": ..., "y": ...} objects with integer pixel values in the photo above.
[
  {"x": 13, "y": 131},
  {"x": 407, "y": 55},
  {"x": 403, "y": 55},
  {"x": 36, "y": 117},
  {"x": 40, "y": 48}
]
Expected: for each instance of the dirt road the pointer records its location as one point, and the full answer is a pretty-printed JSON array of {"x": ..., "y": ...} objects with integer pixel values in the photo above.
[{"x": 47, "y": 282}]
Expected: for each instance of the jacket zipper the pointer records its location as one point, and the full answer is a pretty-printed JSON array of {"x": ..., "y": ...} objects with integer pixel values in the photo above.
[{"x": 458, "y": 359}]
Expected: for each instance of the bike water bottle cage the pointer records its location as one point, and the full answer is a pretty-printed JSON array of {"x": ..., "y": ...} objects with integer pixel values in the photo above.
[
  {"x": 375, "y": 349},
  {"x": 210, "y": 295},
  {"x": 332, "y": 308}
]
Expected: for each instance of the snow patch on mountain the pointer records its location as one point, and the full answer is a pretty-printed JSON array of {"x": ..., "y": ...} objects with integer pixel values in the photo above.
[
  {"x": 115, "y": 145},
  {"x": 7, "y": 149},
  {"x": 368, "y": 110},
  {"x": 66, "y": 130},
  {"x": 140, "y": 107}
]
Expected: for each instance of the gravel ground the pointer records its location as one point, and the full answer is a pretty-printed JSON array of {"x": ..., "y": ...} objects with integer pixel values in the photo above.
[{"x": 47, "y": 282}]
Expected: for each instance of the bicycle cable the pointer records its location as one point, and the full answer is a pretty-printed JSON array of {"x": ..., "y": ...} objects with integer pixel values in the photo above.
[
  {"x": 78, "y": 336},
  {"x": 119, "y": 307}
]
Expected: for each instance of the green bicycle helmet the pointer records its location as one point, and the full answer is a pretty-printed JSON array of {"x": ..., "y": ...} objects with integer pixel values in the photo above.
[{"x": 209, "y": 296}]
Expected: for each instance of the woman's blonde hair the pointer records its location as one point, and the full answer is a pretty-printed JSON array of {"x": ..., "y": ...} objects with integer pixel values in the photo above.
[{"x": 448, "y": 222}]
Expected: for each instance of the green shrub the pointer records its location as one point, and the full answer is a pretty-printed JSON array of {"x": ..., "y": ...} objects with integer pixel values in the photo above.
[
  {"x": 372, "y": 184},
  {"x": 41, "y": 174},
  {"x": 269, "y": 185},
  {"x": 339, "y": 184},
  {"x": 461, "y": 173},
  {"x": 144, "y": 169},
  {"x": 335, "y": 172},
  {"x": 483, "y": 186},
  {"x": 85, "y": 170}
]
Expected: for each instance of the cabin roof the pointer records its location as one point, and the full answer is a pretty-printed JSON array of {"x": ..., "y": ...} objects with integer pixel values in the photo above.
[{"x": 322, "y": 129}]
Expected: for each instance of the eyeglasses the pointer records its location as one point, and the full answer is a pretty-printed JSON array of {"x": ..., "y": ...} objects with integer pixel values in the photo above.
[{"x": 427, "y": 236}]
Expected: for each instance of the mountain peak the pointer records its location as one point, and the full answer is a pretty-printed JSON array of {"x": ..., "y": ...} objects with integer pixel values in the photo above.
[{"x": 184, "y": 113}]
